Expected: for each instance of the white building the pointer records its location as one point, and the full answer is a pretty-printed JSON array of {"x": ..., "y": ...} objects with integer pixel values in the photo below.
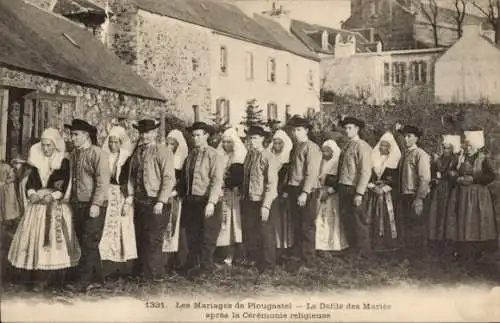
[
  {"x": 469, "y": 76},
  {"x": 208, "y": 58}
]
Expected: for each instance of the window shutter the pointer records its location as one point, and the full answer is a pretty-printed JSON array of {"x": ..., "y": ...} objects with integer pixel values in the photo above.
[
  {"x": 196, "y": 112},
  {"x": 403, "y": 73},
  {"x": 227, "y": 112},
  {"x": 387, "y": 75},
  {"x": 424, "y": 72},
  {"x": 269, "y": 111},
  {"x": 218, "y": 108},
  {"x": 287, "y": 112}
]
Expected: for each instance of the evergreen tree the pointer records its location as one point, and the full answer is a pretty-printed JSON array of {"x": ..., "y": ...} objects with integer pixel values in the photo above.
[{"x": 253, "y": 114}]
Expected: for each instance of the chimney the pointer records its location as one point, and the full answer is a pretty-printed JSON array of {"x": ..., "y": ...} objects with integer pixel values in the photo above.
[
  {"x": 345, "y": 48},
  {"x": 324, "y": 40},
  {"x": 279, "y": 15},
  {"x": 471, "y": 30}
]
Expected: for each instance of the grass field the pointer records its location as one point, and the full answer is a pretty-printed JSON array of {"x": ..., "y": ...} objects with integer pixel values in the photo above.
[{"x": 334, "y": 273}]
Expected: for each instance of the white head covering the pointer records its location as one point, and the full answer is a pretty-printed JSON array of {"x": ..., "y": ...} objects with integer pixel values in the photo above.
[
  {"x": 284, "y": 155},
  {"x": 182, "y": 149},
  {"x": 240, "y": 151},
  {"x": 46, "y": 165},
  {"x": 125, "y": 149},
  {"x": 475, "y": 138},
  {"x": 380, "y": 163},
  {"x": 330, "y": 167},
  {"x": 453, "y": 140}
]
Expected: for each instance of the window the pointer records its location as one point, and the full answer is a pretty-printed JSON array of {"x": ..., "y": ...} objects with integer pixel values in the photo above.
[
  {"x": 196, "y": 112},
  {"x": 272, "y": 111},
  {"x": 222, "y": 111},
  {"x": 288, "y": 112},
  {"x": 398, "y": 73},
  {"x": 387, "y": 74},
  {"x": 249, "y": 65},
  {"x": 419, "y": 72},
  {"x": 310, "y": 79},
  {"x": 271, "y": 70},
  {"x": 223, "y": 59},
  {"x": 194, "y": 63},
  {"x": 288, "y": 74},
  {"x": 310, "y": 112}
]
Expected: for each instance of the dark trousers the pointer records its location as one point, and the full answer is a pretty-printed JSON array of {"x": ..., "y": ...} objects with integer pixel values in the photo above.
[
  {"x": 259, "y": 237},
  {"x": 304, "y": 224},
  {"x": 149, "y": 231},
  {"x": 89, "y": 233},
  {"x": 413, "y": 233},
  {"x": 354, "y": 220},
  {"x": 201, "y": 232}
]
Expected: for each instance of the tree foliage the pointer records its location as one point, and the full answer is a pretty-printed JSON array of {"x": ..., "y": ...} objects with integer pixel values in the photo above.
[{"x": 253, "y": 114}]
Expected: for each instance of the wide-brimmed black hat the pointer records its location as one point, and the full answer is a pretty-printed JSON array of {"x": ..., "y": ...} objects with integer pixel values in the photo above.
[
  {"x": 408, "y": 129},
  {"x": 82, "y": 125},
  {"x": 146, "y": 125},
  {"x": 298, "y": 121},
  {"x": 198, "y": 125},
  {"x": 351, "y": 120},
  {"x": 256, "y": 130}
]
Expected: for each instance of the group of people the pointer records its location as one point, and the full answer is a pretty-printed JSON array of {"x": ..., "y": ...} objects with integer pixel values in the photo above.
[{"x": 121, "y": 202}]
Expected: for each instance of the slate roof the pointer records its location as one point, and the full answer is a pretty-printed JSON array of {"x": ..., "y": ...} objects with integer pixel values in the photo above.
[
  {"x": 43, "y": 43},
  {"x": 226, "y": 18},
  {"x": 72, "y": 7},
  {"x": 311, "y": 34}
]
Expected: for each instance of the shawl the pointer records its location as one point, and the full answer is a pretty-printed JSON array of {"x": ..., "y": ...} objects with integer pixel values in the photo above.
[
  {"x": 46, "y": 165},
  {"x": 181, "y": 152},
  {"x": 120, "y": 158},
  {"x": 240, "y": 151},
  {"x": 284, "y": 155},
  {"x": 330, "y": 167},
  {"x": 380, "y": 162}
]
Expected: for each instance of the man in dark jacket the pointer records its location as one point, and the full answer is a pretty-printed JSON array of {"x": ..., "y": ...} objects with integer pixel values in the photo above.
[
  {"x": 202, "y": 180},
  {"x": 151, "y": 182},
  {"x": 89, "y": 196}
]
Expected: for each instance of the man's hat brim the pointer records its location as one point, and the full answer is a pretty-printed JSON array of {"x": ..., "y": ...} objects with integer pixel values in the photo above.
[
  {"x": 411, "y": 130},
  {"x": 146, "y": 128},
  {"x": 296, "y": 122},
  {"x": 81, "y": 125},
  {"x": 201, "y": 126},
  {"x": 354, "y": 121}
]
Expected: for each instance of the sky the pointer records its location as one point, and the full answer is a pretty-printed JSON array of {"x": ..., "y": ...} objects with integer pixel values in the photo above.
[{"x": 326, "y": 12}]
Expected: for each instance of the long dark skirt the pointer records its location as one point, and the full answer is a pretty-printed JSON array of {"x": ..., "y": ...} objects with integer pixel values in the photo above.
[{"x": 384, "y": 222}]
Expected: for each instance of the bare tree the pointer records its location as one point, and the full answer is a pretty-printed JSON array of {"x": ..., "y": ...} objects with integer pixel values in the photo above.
[
  {"x": 430, "y": 12},
  {"x": 492, "y": 13},
  {"x": 460, "y": 9}
]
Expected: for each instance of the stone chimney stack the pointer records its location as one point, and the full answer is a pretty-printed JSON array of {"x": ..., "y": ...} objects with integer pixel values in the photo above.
[
  {"x": 279, "y": 14},
  {"x": 345, "y": 48},
  {"x": 324, "y": 40}
]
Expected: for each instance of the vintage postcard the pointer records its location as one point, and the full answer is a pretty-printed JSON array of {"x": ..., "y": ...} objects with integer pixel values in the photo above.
[{"x": 250, "y": 160}]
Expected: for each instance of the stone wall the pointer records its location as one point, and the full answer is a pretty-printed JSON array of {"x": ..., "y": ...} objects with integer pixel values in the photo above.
[
  {"x": 174, "y": 57},
  {"x": 44, "y": 4},
  {"x": 98, "y": 106},
  {"x": 123, "y": 40}
]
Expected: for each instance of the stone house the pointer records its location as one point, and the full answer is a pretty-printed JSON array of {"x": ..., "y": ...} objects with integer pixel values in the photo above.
[
  {"x": 399, "y": 24},
  {"x": 52, "y": 70},
  {"x": 208, "y": 58},
  {"x": 468, "y": 76}
]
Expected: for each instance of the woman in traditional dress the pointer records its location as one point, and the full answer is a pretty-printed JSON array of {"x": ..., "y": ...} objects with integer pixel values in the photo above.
[
  {"x": 472, "y": 224},
  {"x": 230, "y": 234},
  {"x": 281, "y": 147},
  {"x": 444, "y": 176},
  {"x": 45, "y": 242},
  {"x": 118, "y": 243},
  {"x": 175, "y": 140},
  {"x": 381, "y": 192},
  {"x": 329, "y": 231}
]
